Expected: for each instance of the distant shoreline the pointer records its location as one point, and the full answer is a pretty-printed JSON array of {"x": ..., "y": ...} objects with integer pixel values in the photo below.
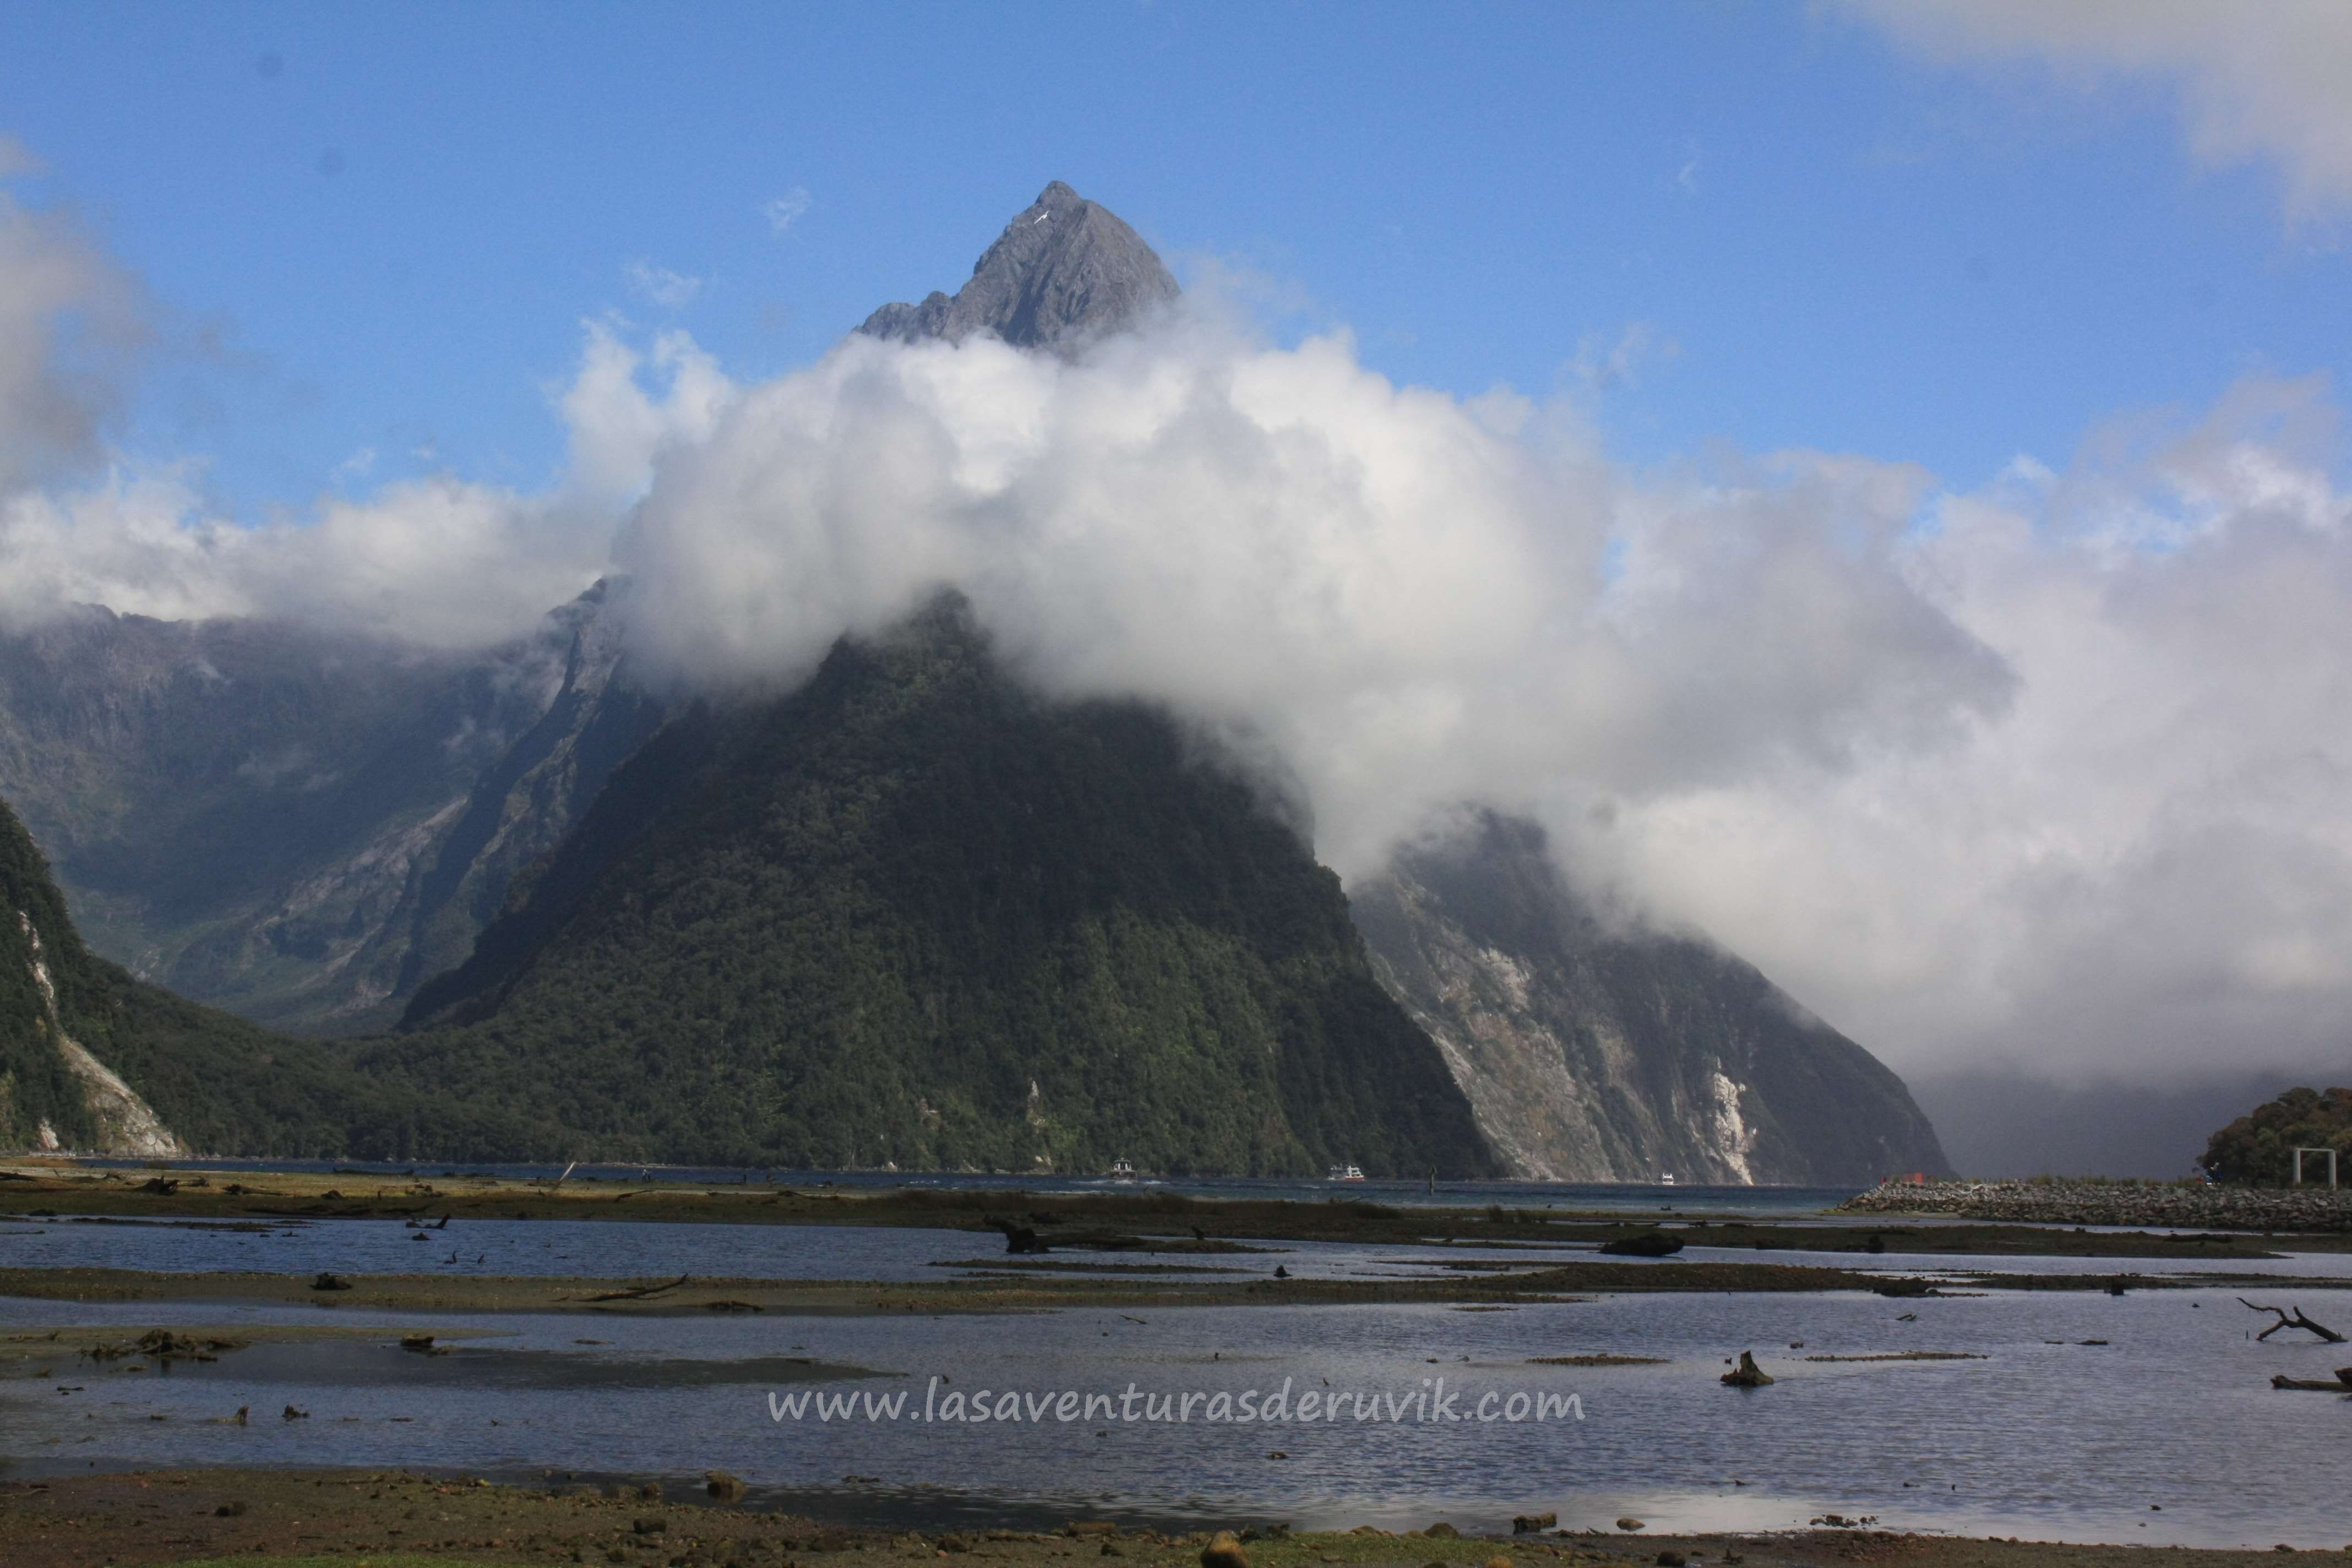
[{"x": 2305, "y": 1209}]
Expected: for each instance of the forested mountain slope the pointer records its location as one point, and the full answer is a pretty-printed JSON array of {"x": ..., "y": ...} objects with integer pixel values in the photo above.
[{"x": 911, "y": 913}]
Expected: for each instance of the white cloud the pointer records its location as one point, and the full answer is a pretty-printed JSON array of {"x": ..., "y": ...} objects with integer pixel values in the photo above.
[
  {"x": 2143, "y": 861},
  {"x": 70, "y": 324},
  {"x": 1402, "y": 593},
  {"x": 16, "y": 160},
  {"x": 619, "y": 423},
  {"x": 2263, "y": 80},
  {"x": 1599, "y": 369},
  {"x": 2054, "y": 771},
  {"x": 787, "y": 209},
  {"x": 660, "y": 286},
  {"x": 438, "y": 560}
]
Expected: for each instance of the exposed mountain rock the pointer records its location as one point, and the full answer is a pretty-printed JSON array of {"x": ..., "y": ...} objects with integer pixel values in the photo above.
[
  {"x": 54, "y": 1094},
  {"x": 294, "y": 823},
  {"x": 519, "y": 807},
  {"x": 94, "y": 1061},
  {"x": 1591, "y": 1055},
  {"x": 914, "y": 914},
  {"x": 1062, "y": 271}
]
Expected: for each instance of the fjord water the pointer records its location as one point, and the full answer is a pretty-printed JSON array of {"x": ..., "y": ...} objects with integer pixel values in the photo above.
[
  {"x": 2048, "y": 1436},
  {"x": 899, "y": 1254}
]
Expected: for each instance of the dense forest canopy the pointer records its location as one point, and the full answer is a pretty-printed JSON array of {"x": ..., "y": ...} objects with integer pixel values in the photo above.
[{"x": 2257, "y": 1148}]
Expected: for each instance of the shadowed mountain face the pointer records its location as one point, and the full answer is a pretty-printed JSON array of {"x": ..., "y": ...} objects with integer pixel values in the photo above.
[
  {"x": 911, "y": 913},
  {"x": 1593, "y": 1056},
  {"x": 94, "y": 1061},
  {"x": 1062, "y": 271},
  {"x": 297, "y": 824}
]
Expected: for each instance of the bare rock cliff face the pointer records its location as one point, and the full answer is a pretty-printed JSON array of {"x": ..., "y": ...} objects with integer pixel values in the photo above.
[
  {"x": 55, "y": 1093},
  {"x": 1590, "y": 1055},
  {"x": 118, "y": 1121},
  {"x": 1064, "y": 271}
]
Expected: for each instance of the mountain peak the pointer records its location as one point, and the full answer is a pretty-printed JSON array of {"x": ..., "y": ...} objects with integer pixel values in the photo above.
[{"x": 1065, "y": 270}]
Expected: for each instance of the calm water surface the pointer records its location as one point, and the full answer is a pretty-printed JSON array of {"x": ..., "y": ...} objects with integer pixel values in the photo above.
[
  {"x": 897, "y": 1253},
  {"x": 2157, "y": 1435}
]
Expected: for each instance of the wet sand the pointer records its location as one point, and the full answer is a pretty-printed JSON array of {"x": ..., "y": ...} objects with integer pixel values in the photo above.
[{"x": 173, "y": 1515}]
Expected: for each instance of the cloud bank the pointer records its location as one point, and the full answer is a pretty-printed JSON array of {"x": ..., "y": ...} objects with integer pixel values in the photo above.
[
  {"x": 2052, "y": 770},
  {"x": 2259, "y": 81},
  {"x": 2143, "y": 862},
  {"x": 1414, "y": 599}
]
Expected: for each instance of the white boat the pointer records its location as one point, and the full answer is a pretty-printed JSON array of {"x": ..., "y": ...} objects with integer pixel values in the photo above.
[
  {"x": 1666, "y": 1179},
  {"x": 1120, "y": 1171},
  {"x": 1343, "y": 1173}
]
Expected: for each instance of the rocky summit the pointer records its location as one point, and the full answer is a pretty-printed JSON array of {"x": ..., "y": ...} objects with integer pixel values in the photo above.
[{"x": 1063, "y": 271}]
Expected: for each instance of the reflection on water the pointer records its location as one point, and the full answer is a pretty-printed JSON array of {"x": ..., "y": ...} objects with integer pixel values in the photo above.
[{"x": 2046, "y": 1437}]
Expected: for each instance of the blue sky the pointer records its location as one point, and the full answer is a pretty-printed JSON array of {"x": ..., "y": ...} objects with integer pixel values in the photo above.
[{"x": 378, "y": 229}]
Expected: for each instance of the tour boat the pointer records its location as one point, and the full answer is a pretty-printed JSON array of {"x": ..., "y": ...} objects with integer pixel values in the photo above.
[{"x": 1344, "y": 1173}]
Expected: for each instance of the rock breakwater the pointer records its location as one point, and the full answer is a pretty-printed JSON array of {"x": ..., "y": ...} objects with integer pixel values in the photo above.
[{"x": 2115, "y": 1203}]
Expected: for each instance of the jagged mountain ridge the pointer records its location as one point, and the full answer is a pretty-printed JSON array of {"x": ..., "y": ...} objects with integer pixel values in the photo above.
[
  {"x": 1600, "y": 1055},
  {"x": 911, "y": 913},
  {"x": 294, "y": 823}
]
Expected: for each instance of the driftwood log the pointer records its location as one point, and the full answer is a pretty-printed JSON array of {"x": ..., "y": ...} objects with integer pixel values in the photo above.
[
  {"x": 2343, "y": 1383},
  {"x": 2297, "y": 1320},
  {"x": 640, "y": 1293}
]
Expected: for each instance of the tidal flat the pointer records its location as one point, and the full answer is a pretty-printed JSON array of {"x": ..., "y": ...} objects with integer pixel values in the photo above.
[{"x": 1946, "y": 1382}]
